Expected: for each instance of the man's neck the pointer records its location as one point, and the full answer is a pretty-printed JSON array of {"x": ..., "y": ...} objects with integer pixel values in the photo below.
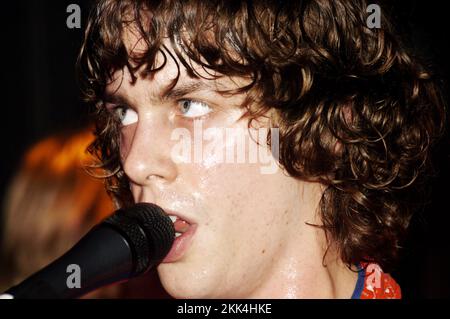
[{"x": 305, "y": 271}]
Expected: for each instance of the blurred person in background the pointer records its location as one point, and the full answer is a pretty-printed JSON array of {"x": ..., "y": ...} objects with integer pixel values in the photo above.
[{"x": 50, "y": 204}]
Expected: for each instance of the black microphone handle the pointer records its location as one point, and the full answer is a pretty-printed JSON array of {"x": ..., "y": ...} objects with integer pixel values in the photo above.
[{"x": 112, "y": 263}]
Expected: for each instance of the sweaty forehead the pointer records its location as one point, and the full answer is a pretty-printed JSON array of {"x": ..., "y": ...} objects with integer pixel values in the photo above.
[
  {"x": 173, "y": 70},
  {"x": 133, "y": 41}
]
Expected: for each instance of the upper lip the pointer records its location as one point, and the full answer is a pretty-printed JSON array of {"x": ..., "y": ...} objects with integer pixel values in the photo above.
[{"x": 179, "y": 215}]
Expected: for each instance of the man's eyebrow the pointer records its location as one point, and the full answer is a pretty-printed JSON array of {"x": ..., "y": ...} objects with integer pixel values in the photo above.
[
  {"x": 115, "y": 99},
  {"x": 175, "y": 93},
  {"x": 184, "y": 89}
]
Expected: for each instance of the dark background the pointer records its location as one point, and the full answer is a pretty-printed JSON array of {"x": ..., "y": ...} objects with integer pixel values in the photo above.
[{"x": 39, "y": 96}]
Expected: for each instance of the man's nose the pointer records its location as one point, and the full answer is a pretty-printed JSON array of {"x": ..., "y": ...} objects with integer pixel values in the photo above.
[{"x": 146, "y": 153}]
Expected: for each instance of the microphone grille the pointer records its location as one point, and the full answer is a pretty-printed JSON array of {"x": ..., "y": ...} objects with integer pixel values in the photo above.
[{"x": 149, "y": 230}]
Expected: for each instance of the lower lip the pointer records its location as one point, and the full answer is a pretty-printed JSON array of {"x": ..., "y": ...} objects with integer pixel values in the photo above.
[{"x": 180, "y": 245}]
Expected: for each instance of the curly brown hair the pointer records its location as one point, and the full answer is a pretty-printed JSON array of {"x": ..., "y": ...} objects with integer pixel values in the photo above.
[{"x": 357, "y": 111}]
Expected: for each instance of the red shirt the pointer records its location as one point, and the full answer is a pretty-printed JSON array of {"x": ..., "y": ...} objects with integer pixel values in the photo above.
[{"x": 373, "y": 283}]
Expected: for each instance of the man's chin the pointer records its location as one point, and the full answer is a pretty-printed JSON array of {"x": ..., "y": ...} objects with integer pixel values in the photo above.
[
  {"x": 185, "y": 290},
  {"x": 184, "y": 283}
]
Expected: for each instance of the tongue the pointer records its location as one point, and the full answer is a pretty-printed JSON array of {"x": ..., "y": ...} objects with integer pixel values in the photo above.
[{"x": 180, "y": 226}]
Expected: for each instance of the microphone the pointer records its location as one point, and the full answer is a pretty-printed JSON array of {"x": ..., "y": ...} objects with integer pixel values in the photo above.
[{"x": 125, "y": 245}]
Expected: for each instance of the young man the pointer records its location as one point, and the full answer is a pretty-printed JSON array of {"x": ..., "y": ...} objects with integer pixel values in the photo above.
[{"x": 184, "y": 90}]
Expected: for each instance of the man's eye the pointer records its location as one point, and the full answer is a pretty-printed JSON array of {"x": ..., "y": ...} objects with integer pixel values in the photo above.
[
  {"x": 126, "y": 115},
  {"x": 193, "y": 109}
]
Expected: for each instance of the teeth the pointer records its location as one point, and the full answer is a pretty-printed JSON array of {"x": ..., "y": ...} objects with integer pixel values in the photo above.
[
  {"x": 173, "y": 218},
  {"x": 177, "y": 234}
]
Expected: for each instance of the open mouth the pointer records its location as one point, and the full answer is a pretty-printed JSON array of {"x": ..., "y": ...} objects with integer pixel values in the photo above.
[
  {"x": 184, "y": 233},
  {"x": 180, "y": 225}
]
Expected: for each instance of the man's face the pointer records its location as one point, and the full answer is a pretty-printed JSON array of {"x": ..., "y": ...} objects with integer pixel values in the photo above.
[{"x": 241, "y": 220}]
